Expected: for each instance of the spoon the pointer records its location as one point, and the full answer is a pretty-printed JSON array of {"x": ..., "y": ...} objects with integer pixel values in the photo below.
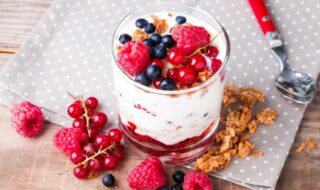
[{"x": 293, "y": 85}]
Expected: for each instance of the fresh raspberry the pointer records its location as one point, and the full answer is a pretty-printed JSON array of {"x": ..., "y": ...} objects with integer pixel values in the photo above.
[
  {"x": 27, "y": 119},
  {"x": 196, "y": 181},
  {"x": 134, "y": 57},
  {"x": 148, "y": 175},
  {"x": 190, "y": 38},
  {"x": 70, "y": 139}
]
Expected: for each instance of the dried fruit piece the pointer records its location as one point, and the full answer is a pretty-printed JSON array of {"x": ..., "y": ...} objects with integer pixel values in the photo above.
[
  {"x": 250, "y": 96},
  {"x": 267, "y": 116},
  {"x": 230, "y": 95}
]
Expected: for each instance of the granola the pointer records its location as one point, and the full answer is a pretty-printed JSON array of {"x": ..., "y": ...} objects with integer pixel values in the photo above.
[
  {"x": 160, "y": 24},
  {"x": 267, "y": 116},
  {"x": 257, "y": 154},
  {"x": 310, "y": 144},
  {"x": 139, "y": 34},
  {"x": 230, "y": 95},
  {"x": 249, "y": 96},
  {"x": 301, "y": 147}
]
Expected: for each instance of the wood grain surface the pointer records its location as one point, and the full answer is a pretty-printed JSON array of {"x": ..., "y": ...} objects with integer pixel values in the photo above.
[{"x": 34, "y": 164}]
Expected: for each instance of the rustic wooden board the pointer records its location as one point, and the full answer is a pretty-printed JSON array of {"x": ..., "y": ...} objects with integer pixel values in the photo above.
[{"x": 33, "y": 164}]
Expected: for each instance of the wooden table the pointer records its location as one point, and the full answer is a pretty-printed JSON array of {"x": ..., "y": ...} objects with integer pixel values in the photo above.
[{"x": 32, "y": 164}]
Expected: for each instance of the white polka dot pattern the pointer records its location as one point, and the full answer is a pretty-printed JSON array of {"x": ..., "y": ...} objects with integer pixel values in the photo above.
[{"x": 70, "y": 52}]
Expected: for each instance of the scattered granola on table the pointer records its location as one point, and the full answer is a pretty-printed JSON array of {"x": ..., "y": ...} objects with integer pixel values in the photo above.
[
  {"x": 306, "y": 146},
  {"x": 232, "y": 141}
]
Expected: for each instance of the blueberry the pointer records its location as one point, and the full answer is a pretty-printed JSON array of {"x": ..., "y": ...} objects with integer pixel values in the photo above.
[
  {"x": 163, "y": 188},
  {"x": 168, "y": 41},
  {"x": 181, "y": 20},
  {"x": 148, "y": 42},
  {"x": 141, "y": 22},
  {"x": 124, "y": 38},
  {"x": 149, "y": 28},
  {"x": 178, "y": 176},
  {"x": 159, "y": 52},
  {"x": 108, "y": 180},
  {"x": 176, "y": 187},
  {"x": 167, "y": 84},
  {"x": 156, "y": 38},
  {"x": 143, "y": 79},
  {"x": 154, "y": 72}
]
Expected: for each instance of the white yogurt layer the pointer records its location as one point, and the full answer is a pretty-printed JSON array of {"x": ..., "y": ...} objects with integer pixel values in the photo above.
[{"x": 171, "y": 119}]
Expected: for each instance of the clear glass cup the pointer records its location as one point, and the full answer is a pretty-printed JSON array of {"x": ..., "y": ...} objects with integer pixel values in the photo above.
[{"x": 176, "y": 126}]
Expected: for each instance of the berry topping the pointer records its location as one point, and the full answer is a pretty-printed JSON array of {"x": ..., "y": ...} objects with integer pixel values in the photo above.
[
  {"x": 186, "y": 75},
  {"x": 134, "y": 57},
  {"x": 77, "y": 156},
  {"x": 190, "y": 38},
  {"x": 159, "y": 52},
  {"x": 181, "y": 20},
  {"x": 81, "y": 172},
  {"x": 154, "y": 72},
  {"x": 95, "y": 164},
  {"x": 167, "y": 84},
  {"x": 115, "y": 135},
  {"x": 89, "y": 149},
  {"x": 124, "y": 38},
  {"x": 118, "y": 153},
  {"x": 75, "y": 110},
  {"x": 156, "y": 38},
  {"x": 168, "y": 41},
  {"x": 178, "y": 176},
  {"x": 176, "y": 56},
  {"x": 79, "y": 123},
  {"x": 179, "y": 187},
  {"x": 70, "y": 139},
  {"x": 102, "y": 141},
  {"x": 143, "y": 79},
  {"x": 215, "y": 65},
  {"x": 99, "y": 120},
  {"x": 141, "y": 23},
  {"x": 211, "y": 51},
  {"x": 198, "y": 62},
  {"x": 173, "y": 73},
  {"x": 196, "y": 180},
  {"x": 92, "y": 103},
  {"x": 149, "y": 28},
  {"x": 108, "y": 180},
  {"x": 27, "y": 119},
  {"x": 110, "y": 162},
  {"x": 163, "y": 188},
  {"x": 150, "y": 43},
  {"x": 156, "y": 83},
  {"x": 148, "y": 175},
  {"x": 157, "y": 62}
]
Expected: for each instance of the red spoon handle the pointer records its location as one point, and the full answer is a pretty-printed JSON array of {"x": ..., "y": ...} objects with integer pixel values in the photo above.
[{"x": 262, "y": 15}]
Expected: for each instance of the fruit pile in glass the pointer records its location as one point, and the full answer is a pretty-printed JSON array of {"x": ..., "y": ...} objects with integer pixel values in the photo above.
[{"x": 169, "y": 70}]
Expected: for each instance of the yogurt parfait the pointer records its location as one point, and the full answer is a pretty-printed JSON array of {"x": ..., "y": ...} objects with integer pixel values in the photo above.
[{"x": 169, "y": 70}]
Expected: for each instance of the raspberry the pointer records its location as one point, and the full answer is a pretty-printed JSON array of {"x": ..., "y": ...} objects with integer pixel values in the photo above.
[
  {"x": 27, "y": 119},
  {"x": 70, "y": 139},
  {"x": 148, "y": 175},
  {"x": 190, "y": 38},
  {"x": 196, "y": 181},
  {"x": 134, "y": 57}
]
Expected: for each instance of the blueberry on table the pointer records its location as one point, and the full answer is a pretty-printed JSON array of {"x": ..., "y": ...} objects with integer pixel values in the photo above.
[
  {"x": 159, "y": 51},
  {"x": 125, "y": 38},
  {"x": 181, "y": 20},
  {"x": 168, "y": 41},
  {"x": 178, "y": 176},
  {"x": 167, "y": 84},
  {"x": 149, "y": 28},
  {"x": 176, "y": 187},
  {"x": 141, "y": 23},
  {"x": 149, "y": 42},
  {"x": 108, "y": 180},
  {"x": 143, "y": 79},
  {"x": 163, "y": 188},
  {"x": 156, "y": 38},
  {"x": 154, "y": 72}
]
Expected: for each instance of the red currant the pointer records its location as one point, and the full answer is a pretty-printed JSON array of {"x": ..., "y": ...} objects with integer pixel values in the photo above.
[
  {"x": 215, "y": 65},
  {"x": 89, "y": 149},
  {"x": 110, "y": 162},
  {"x": 79, "y": 102},
  {"x": 81, "y": 172},
  {"x": 157, "y": 62},
  {"x": 76, "y": 157},
  {"x": 95, "y": 164},
  {"x": 93, "y": 132},
  {"x": 92, "y": 103},
  {"x": 118, "y": 153},
  {"x": 212, "y": 51},
  {"x": 99, "y": 119},
  {"x": 156, "y": 83},
  {"x": 102, "y": 141},
  {"x": 176, "y": 56},
  {"x": 173, "y": 74},
  {"x": 186, "y": 75},
  {"x": 198, "y": 62},
  {"x": 79, "y": 123},
  {"x": 75, "y": 110},
  {"x": 115, "y": 135}
]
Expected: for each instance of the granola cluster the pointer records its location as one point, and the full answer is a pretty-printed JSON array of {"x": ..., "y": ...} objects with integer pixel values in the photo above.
[
  {"x": 232, "y": 141},
  {"x": 306, "y": 146}
]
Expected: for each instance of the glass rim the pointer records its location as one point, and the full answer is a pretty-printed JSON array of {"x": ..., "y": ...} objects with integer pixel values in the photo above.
[{"x": 173, "y": 92}]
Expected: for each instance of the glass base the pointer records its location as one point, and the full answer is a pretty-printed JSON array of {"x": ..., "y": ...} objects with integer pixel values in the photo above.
[{"x": 180, "y": 153}]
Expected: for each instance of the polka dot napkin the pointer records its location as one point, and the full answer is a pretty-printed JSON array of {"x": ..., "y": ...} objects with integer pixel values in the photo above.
[{"x": 70, "y": 52}]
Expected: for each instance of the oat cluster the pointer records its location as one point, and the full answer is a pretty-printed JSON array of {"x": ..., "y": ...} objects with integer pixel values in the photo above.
[
  {"x": 306, "y": 146},
  {"x": 233, "y": 140}
]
